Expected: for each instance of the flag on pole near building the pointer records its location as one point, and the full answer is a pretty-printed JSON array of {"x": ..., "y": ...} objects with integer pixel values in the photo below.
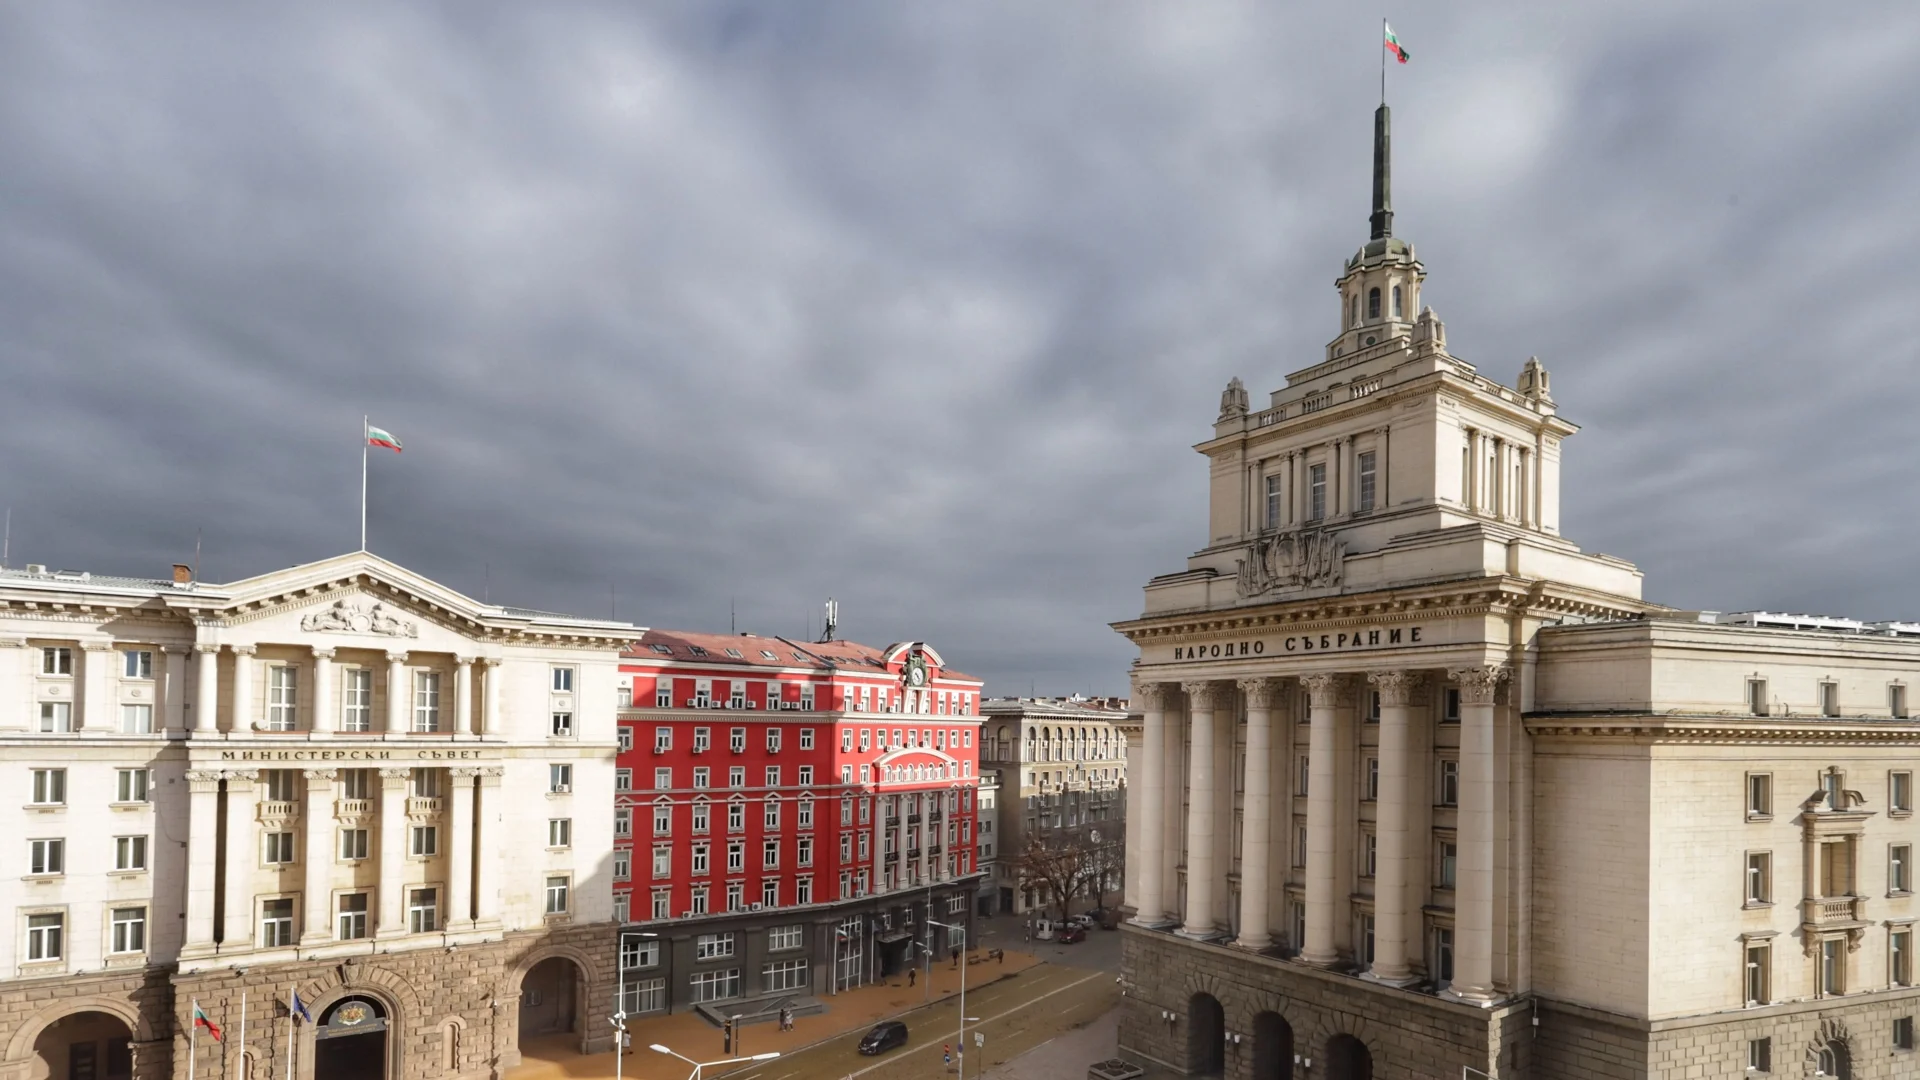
[
  {"x": 377, "y": 437},
  {"x": 202, "y": 1020},
  {"x": 1392, "y": 44},
  {"x": 299, "y": 1008}
]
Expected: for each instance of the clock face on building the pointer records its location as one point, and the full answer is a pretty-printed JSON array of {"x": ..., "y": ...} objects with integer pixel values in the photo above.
[{"x": 916, "y": 676}]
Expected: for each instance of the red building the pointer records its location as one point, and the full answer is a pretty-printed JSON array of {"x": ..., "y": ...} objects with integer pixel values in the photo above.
[{"x": 788, "y": 813}]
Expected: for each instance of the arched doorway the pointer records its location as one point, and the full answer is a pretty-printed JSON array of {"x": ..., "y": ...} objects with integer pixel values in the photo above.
[
  {"x": 1206, "y": 1036},
  {"x": 1272, "y": 1047},
  {"x": 549, "y": 996},
  {"x": 351, "y": 1040},
  {"x": 1348, "y": 1059},
  {"x": 1831, "y": 1059},
  {"x": 85, "y": 1046}
]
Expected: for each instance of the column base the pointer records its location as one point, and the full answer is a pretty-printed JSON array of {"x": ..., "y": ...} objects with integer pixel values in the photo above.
[
  {"x": 313, "y": 939},
  {"x": 1477, "y": 998},
  {"x": 199, "y": 950},
  {"x": 1256, "y": 944},
  {"x": 1319, "y": 960},
  {"x": 1198, "y": 933},
  {"x": 1160, "y": 922},
  {"x": 1390, "y": 978}
]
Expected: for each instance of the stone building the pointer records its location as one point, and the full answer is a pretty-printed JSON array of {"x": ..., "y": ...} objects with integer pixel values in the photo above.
[
  {"x": 1064, "y": 767},
  {"x": 1421, "y": 787},
  {"x": 299, "y": 782}
]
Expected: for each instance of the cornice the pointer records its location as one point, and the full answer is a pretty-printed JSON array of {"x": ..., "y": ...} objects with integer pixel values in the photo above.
[{"x": 1723, "y": 731}]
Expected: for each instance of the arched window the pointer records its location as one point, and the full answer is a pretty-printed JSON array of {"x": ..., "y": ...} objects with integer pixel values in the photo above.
[
  {"x": 1373, "y": 303},
  {"x": 1396, "y": 301}
]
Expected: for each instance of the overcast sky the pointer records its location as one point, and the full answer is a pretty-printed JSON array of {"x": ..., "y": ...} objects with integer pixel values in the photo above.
[{"x": 922, "y": 305}]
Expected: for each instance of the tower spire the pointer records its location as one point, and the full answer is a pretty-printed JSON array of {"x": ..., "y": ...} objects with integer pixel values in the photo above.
[{"x": 1382, "y": 219}]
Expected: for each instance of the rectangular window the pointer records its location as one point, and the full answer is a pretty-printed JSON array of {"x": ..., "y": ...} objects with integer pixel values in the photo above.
[
  {"x": 780, "y": 976},
  {"x": 1450, "y": 706},
  {"x": 136, "y": 719},
  {"x": 137, "y": 664},
  {"x": 784, "y": 937},
  {"x": 129, "y": 853},
  {"x": 736, "y": 856},
  {"x": 637, "y": 952},
  {"x": 700, "y": 863},
  {"x": 697, "y": 900},
  {"x": 1829, "y": 699},
  {"x": 1897, "y": 701},
  {"x": 806, "y": 812},
  {"x": 353, "y": 844},
  {"x": 1363, "y": 499},
  {"x": 1372, "y": 780},
  {"x": 626, "y": 739},
  {"x": 713, "y": 946},
  {"x": 1760, "y": 1055},
  {"x": 701, "y": 773},
  {"x": 662, "y": 860},
  {"x": 702, "y": 739},
  {"x": 806, "y": 740},
  {"x": 129, "y": 930},
  {"x": 423, "y": 910},
  {"x": 1900, "y": 792},
  {"x": 736, "y": 896},
  {"x": 50, "y": 787},
  {"x": 1759, "y": 795},
  {"x": 716, "y": 985},
  {"x": 276, "y": 923},
  {"x": 46, "y": 937},
  {"x": 662, "y": 739},
  {"x": 130, "y": 785},
  {"x": 1900, "y": 868},
  {"x": 806, "y": 698},
  {"x": 560, "y": 778},
  {"x": 1274, "y": 505},
  {"x": 352, "y": 916},
  {"x": 803, "y": 891},
  {"x": 737, "y": 776},
  {"x": 702, "y": 816},
  {"x": 1900, "y": 956},
  {"x": 737, "y": 738},
  {"x": 1833, "y": 968},
  {"x": 770, "y": 854},
  {"x": 622, "y": 864},
  {"x": 1369, "y": 854},
  {"x": 773, "y": 740},
  {"x": 623, "y": 821},
  {"x": 56, "y": 660},
  {"x": 1304, "y": 772},
  {"x": 356, "y": 783},
  {"x": 1449, "y": 789},
  {"x": 1317, "y": 485},
  {"x": 663, "y": 694},
  {"x": 56, "y": 717},
  {"x": 557, "y": 895},
  {"x": 806, "y": 775},
  {"x": 804, "y": 851},
  {"x": 623, "y": 699},
  {"x": 644, "y": 995},
  {"x": 663, "y": 903},
  {"x": 561, "y": 725},
  {"x": 1449, "y": 867},
  {"x": 426, "y": 841},
  {"x": 663, "y": 779},
  {"x": 424, "y": 783},
  {"x": 1757, "y": 696},
  {"x": 559, "y": 832},
  {"x": 623, "y": 779},
  {"x": 356, "y": 706},
  {"x": 1759, "y": 877},
  {"x": 1366, "y": 940},
  {"x": 1299, "y": 845},
  {"x": 46, "y": 857},
  {"x": 283, "y": 697},
  {"x": 563, "y": 680},
  {"x": 426, "y": 701},
  {"x": 737, "y": 696},
  {"x": 1443, "y": 955},
  {"x": 1903, "y": 1032}
]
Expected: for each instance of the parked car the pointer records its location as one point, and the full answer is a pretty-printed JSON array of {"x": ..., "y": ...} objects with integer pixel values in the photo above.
[
  {"x": 1085, "y": 920},
  {"x": 1072, "y": 934},
  {"x": 885, "y": 1036}
]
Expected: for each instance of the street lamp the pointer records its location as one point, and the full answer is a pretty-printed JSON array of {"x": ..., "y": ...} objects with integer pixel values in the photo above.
[
  {"x": 962, "y": 1041},
  {"x": 619, "y": 1020},
  {"x": 699, "y": 1065}
]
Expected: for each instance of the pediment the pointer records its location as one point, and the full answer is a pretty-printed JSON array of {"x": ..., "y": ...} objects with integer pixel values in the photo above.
[{"x": 351, "y": 616}]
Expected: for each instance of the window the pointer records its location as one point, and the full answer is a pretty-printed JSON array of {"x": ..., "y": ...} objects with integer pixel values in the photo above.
[
  {"x": 561, "y": 726},
  {"x": 1303, "y": 769},
  {"x": 773, "y": 776},
  {"x": 623, "y": 779},
  {"x": 784, "y": 937},
  {"x": 1832, "y": 971},
  {"x": 662, "y": 860},
  {"x": 626, "y": 738},
  {"x": 770, "y": 892},
  {"x": 45, "y": 934},
  {"x": 1759, "y": 796},
  {"x": 737, "y": 738},
  {"x": 716, "y": 985},
  {"x": 1829, "y": 699},
  {"x": 1317, "y": 485},
  {"x": 1757, "y": 696},
  {"x": 1373, "y": 304},
  {"x": 283, "y": 697},
  {"x": 424, "y": 783},
  {"x": 1760, "y": 1055},
  {"x": 353, "y": 844},
  {"x": 623, "y": 696},
  {"x": 426, "y": 841},
  {"x": 662, "y": 903},
  {"x": 1900, "y": 792},
  {"x": 803, "y": 891},
  {"x": 1903, "y": 1032},
  {"x": 701, "y": 773},
  {"x": 1449, "y": 791},
  {"x": 136, "y": 719},
  {"x": 129, "y": 853},
  {"x": 806, "y": 742},
  {"x": 663, "y": 693},
  {"x": 702, "y": 815},
  {"x": 736, "y": 896},
  {"x": 1759, "y": 973},
  {"x": 702, "y": 739},
  {"x": 770, "y": 854},
  {"x": 663, "y": 779},
  {"x": 56, "y": 660},
  {"x": 137, "y": 664},
  {"x": 1442, "y": 950},
  {"x": 622, "y": 864},
  {"x": 736, "y": 856},
  {"x": 782, "y": 975},
  {"x": 1448, "y": 870},
  {"x": 56, "y": 716},
  {"x": 1372, "y": 777},
  {"x": 557, "y": 895},
  {"x": 1826, "y": 1060},
  {"x": 276, "y": 923},
  {"x": 356, "y": 783},
  {"x": 1900, "y": 956},
  {"x": 773, "y": 740},
  {"x": 846, "y": 740},
  {"x": 1369, "y": 854},
  {"x": 623, "y": 821},
  {"x": 46, "y": 857},
  {"x": 559, "y": 832},
  {"x": 644, "y": 995},
  {"x": 1363, "y": 498},
  {"x": 560, "y": 778},
  {"x": 713, "y": 946},
  {"x": 426, "y": 701},
  {"x": 423, "y": 910},
  {"x": 737, "y": 776},
  {"x": 357, "y": 703},
  {"x": 1900, "y": 868},
  {"x": 639, "y": 952},
  {"x": 1759, "y": 877},
  {"x": 50, "y": 786},
  {"x": 563, "y": 680},
  {"x": 806, "y": 698},
  {"x": 701, "y": 865},
  {"x": 806, "y": 775},
  {"x": 129, "y": 930},
  {"x": 1396, "y": 302},
  {"x": 806, "y": 811},
  {"x": 130, "y": 785},
  {"x": 1274, "y": 505},
  {"x": 803, "y": 852},
  {"x": 662, "y": 739}
]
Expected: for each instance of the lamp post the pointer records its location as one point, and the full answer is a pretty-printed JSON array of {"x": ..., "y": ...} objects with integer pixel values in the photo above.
[
  {"x": 962, "y": 1041},
  {"x": 699, "y": 1065},
  {"x": 620, "y": 999}
]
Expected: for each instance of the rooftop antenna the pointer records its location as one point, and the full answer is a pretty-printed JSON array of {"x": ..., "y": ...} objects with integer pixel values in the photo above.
[
  {"x": 6, "y": 540},
  {"x": 196, "y": 554},
  {"x": 731, "y": 629},
  {"x": 832, "y": 622}
]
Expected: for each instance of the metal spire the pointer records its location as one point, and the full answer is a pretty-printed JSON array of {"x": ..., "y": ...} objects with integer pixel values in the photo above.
[{"x": 1382, "y": 220}]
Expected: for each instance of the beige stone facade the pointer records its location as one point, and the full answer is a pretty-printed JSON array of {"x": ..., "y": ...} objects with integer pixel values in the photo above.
[
  {"x": 1421, "y": 787},
  {"x": 340, "y": 780}
]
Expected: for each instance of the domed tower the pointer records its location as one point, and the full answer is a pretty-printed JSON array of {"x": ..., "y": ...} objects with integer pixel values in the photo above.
[{"x": 1380, "y": 288}]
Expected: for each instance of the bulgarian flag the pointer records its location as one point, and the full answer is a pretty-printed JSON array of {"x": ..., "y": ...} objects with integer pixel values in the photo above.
[
  {"x": 202, "y": 1020},
  {"x": 378, "y": 437},
  {"x": 1393, "y": 46}
]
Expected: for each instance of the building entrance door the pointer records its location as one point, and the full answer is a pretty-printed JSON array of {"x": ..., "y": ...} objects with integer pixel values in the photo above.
[{"x": 351, "y": 1041}]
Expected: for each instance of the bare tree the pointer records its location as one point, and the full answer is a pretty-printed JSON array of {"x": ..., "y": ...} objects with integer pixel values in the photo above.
[{"x": 1059, "y": 865}]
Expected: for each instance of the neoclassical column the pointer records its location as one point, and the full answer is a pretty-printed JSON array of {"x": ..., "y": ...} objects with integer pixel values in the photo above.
[
  {"x": 488, "y": 822},
  {"x": 490, "y": 708},
  {"x": 460, "y": 850},
  {"x": 323, "y": 712},
  {"x": 393, "y": 852},
  {"x": 1146, "y": 812},
  {"x": 1201, "y": 698},
  {"x": 398, "y": 693},
  {"x": 463, "y": 695},
  {"x": 206, "y": 701},
  {"x": 317, "y": 926},
  {"x": 1391, "y": 861},
  {"x": 171, "y": 708},
  {"x": 242, "y": 859},
  {"x": 203, "y": 855},
  {"x": 242, "y": 705},
  {"x": 1323, "y": 693},
  {"x": 1473, "y": 893},
  {"x": 96, "y": 695},
  {"x": 1256, "y": 812}
]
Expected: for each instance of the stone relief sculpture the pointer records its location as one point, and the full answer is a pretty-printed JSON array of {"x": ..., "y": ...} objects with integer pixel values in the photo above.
[
  {"x": 1233, "y": 400},
  {"x": 344, "y": 616},
  {"x": 1310, "y": 559}
]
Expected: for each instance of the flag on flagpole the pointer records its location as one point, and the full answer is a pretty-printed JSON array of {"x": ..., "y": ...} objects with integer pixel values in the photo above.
[
  {"x": 300, "y": 1007},
  {"x": 202, "y": 1020},
  {"x": 1392, "y": 45},
  {"x": 377, "y": 437}
]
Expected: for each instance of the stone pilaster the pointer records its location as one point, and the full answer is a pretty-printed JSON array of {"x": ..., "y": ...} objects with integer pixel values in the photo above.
[
  {"x": 173, "y": 695},
  {"x": 399, "y": 693},
  {"x": 242, "y": 856},
  {"x": 1391, "y": 857},
  {"x": 96, "y": 711},
  {"x": 1473, "y": 896},
  {"x": 323, "y": 709},
  {"x": 488, "y": 823},
  {"x": 460, "y": 849},
  {"x": 317, "y": 923},
  {"x": 203, "y": 829},
  {"x": 393, "y": 852},
  {"x": 1323, "y": 694}
]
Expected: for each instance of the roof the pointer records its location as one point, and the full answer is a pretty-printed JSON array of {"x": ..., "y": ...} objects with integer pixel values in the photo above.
[
  {"x": 764, "y": 652},
  {"x": 1103, "y": 709}
]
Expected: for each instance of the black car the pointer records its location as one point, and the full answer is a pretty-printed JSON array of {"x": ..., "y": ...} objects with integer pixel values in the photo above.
[{"x": 885, "y": 1036}]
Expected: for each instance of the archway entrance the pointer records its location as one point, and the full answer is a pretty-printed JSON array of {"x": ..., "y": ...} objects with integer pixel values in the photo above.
[
  {"x": 85, "y": 1046},
  {"x": 351, "y": 1041},
  {"x": 548, "y": 996},
  {"x": 1206, "y": 1036},
  {"x": 1348, "y": 1059},
  {"x": 1272, "y": 1047},
  {"x": 1833, "y": 1060}
]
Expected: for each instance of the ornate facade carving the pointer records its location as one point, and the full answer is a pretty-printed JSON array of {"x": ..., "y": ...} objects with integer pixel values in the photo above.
[
  {"x": 1261, "y": 693},
  {"x": 345, "y": 616},
  {"x": 1201, "y": 695},
  {"x": 1396, "y": 687},
  {"x": 1479, "y": 684},
  {"x": 1308, "y": 559},
  {"x": 1150, "y": 696},
  {"x": 1323, "y": 687}
]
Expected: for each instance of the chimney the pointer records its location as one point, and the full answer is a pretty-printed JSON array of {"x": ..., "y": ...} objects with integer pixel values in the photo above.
[{"x": 182, "y": 573}]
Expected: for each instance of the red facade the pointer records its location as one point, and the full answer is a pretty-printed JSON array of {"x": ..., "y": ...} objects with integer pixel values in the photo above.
[{"x": 760, "y": 773}]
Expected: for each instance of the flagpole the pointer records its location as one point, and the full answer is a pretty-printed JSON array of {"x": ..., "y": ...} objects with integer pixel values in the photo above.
[
  {"x": 292, "y": 996},
  {"x": 363, "y": 419},
  {"x": 243, "y": 1036},
  {"x": 1383, "y": 101},
  {"x": 193, "y": 1037}
]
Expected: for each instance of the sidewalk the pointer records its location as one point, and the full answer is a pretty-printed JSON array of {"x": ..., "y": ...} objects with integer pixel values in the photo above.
[{"x": 552, "y": 1057}]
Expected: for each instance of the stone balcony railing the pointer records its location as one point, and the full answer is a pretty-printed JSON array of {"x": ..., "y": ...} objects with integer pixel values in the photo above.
[
  {"x": 277, "y": 809},
  {"x": 422, "y": 806},
  {"x": 343, "y": 807},
  {"x": 1833, "y": 911}
]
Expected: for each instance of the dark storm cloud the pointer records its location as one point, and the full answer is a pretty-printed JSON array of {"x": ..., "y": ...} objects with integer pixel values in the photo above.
[{"x": 922, "y": 306}]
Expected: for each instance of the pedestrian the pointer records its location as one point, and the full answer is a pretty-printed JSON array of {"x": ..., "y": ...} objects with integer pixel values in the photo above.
[
  {"x": 911, "y": 973},
  {"x": 1000, "y": 955},
  {"x": 626, "y": 1042},
  {"x": 946, "y": 1055},
  {"x": 956, "y": 958}
]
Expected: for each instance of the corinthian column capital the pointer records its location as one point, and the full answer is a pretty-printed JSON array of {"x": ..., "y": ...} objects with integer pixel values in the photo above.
[
  {"x": 1150, "y": 695},
  {"x": 1260, "y": 693},
  {"x": 1477, "y": 684},
  {"x": 1396, "y": 687},
  {"x": 1323, "y": 686},
  {"x": 1204, "y": 694}
]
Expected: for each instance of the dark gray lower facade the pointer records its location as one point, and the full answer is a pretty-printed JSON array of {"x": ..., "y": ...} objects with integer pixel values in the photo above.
[{"x": 730, "y": 961}]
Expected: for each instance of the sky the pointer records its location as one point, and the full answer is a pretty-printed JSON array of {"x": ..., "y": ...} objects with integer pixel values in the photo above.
[{"x": 701, "y": 311}]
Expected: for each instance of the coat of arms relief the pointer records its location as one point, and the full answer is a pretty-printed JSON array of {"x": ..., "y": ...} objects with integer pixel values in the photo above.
[
  {"x": 348, "y": 617},
  {"x": 1308, "y": 559}
]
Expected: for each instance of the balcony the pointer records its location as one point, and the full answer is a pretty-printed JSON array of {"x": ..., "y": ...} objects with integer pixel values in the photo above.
[
  {"x": 1834, "y": 912},
  {"x": 277, "y": 809},
  {"x": 423, "y": 806}
]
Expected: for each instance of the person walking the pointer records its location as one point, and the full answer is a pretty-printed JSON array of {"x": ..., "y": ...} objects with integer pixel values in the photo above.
[
  {"x": 956, "y": 958},
  {"x": 911, "y": 973}
]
